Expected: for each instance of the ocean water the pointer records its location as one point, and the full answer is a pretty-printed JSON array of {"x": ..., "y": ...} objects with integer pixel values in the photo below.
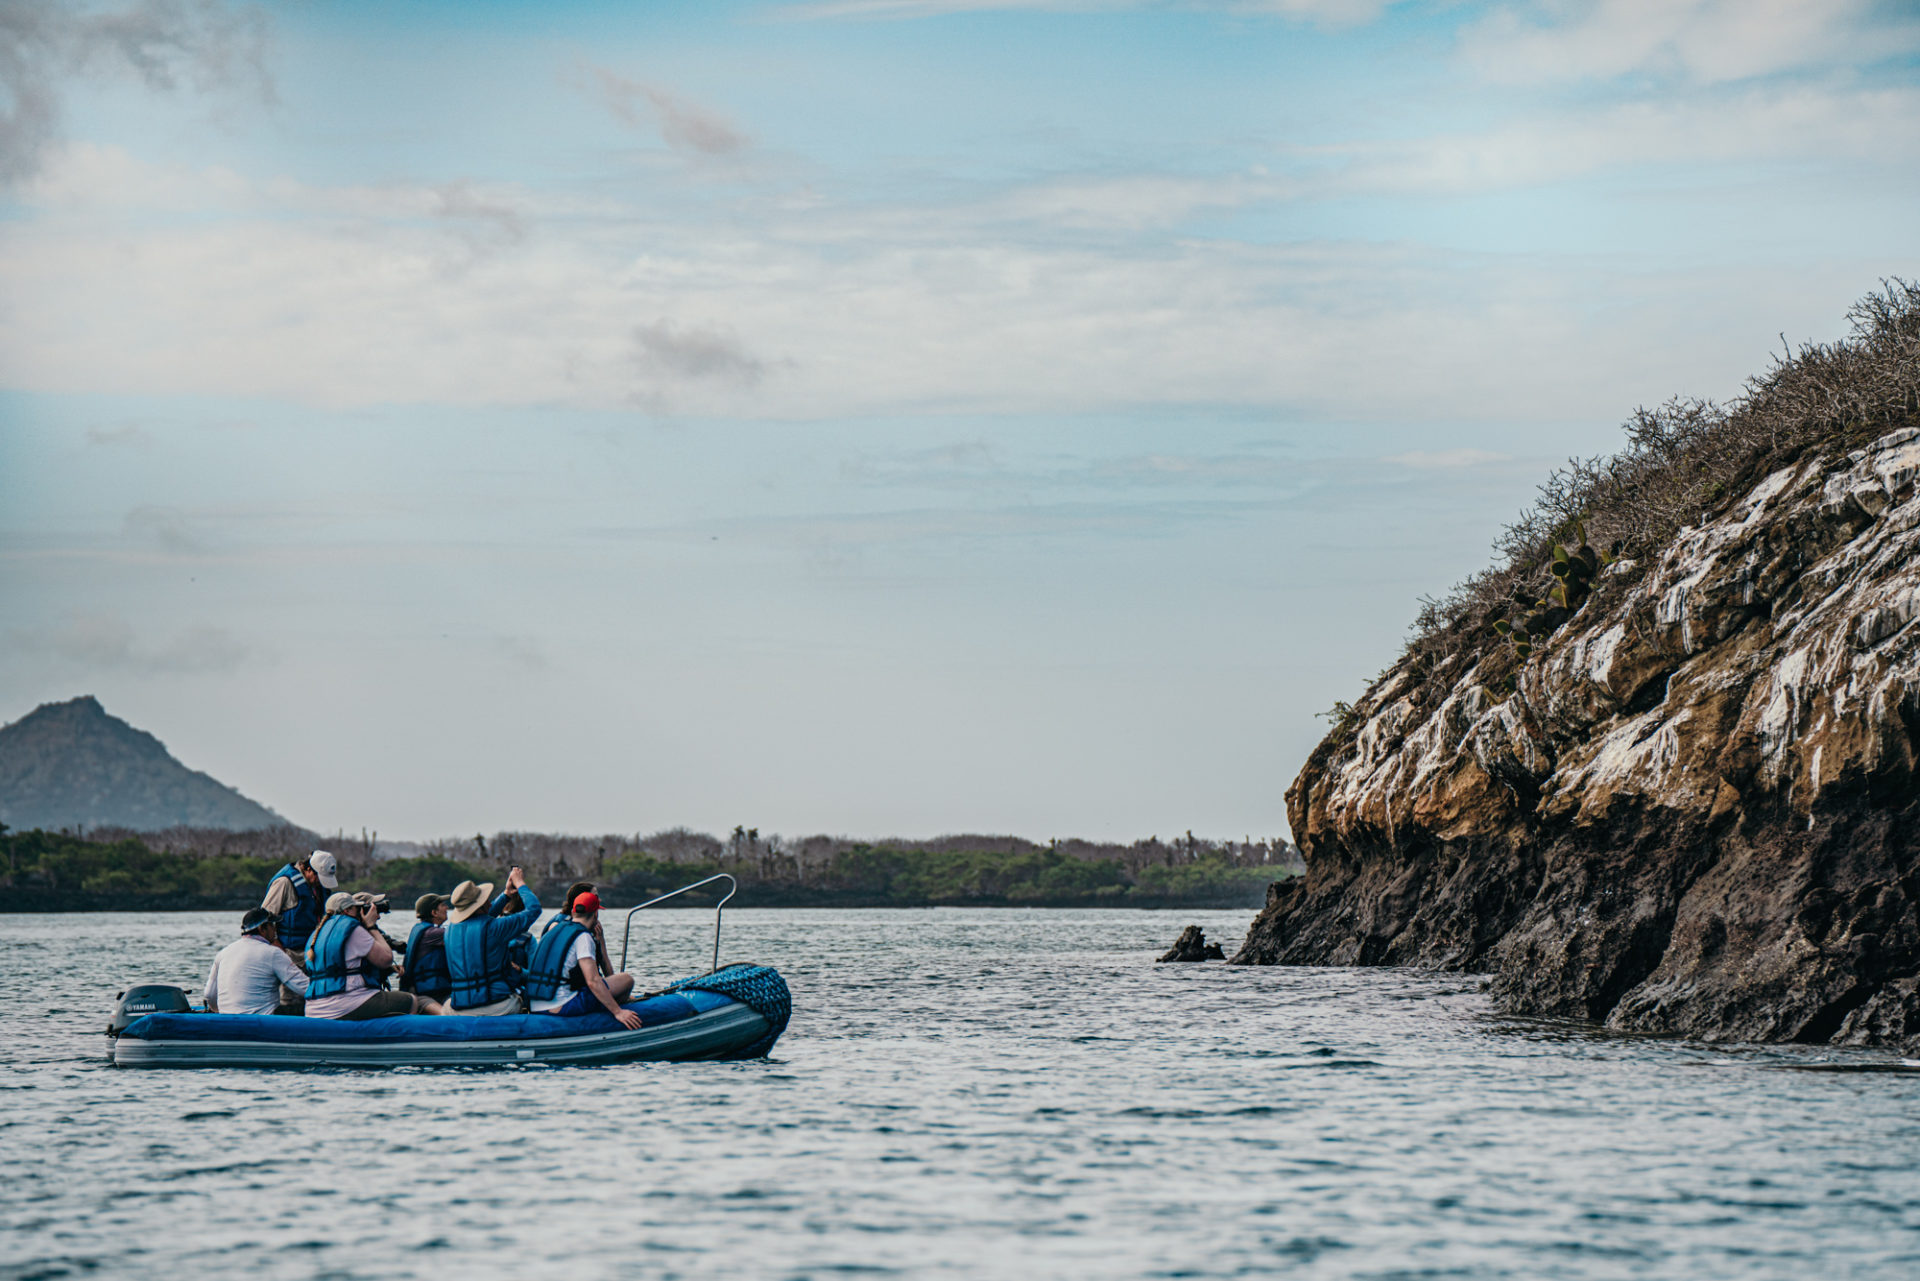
[{"x": 961, "y": 1094}]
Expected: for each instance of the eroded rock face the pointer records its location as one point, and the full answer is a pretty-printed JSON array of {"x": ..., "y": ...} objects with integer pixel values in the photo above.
[{"x": 1695, "y": 813}]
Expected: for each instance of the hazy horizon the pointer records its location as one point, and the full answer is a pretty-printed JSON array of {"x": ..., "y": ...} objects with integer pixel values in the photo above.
[{"x": 885, "y": 417}]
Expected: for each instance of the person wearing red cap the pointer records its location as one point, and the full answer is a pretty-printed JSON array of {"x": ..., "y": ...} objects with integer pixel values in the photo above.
[{"x": 563, "y": 974}]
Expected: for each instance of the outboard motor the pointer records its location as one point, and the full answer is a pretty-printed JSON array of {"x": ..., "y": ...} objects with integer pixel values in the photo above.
[{"x": 148, "y": 998}]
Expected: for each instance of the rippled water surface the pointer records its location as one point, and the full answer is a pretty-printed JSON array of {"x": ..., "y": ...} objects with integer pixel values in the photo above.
[{"x": 961, "y": 1093}]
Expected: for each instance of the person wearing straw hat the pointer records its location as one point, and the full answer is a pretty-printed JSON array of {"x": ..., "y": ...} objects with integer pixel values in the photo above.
[{"x": 478, "y": 945}]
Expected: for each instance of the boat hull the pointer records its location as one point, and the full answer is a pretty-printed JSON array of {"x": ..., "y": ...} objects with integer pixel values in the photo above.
[
  {"x": 732, "y": 1013},
  {"x": 718, "y": 1033}
]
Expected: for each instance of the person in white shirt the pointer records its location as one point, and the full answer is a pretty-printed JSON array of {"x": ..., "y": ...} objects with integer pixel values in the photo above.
[
  {"x": 247, "y": 975},
  {"x": 563, "y": 974}
]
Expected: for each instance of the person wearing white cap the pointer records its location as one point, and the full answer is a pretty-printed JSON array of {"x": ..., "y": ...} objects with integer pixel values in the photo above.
[{"x": 293, "y": 896}]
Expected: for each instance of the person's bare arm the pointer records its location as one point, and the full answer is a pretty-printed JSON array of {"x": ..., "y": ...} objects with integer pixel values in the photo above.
[
  {"x": 379, "y": 954},
  {"x": 289, "y": 974},
  {"x": 601, "y": 993}
]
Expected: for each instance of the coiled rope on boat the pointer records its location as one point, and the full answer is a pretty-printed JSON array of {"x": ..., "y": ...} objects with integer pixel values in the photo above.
[{"x": 757, "y": 987}]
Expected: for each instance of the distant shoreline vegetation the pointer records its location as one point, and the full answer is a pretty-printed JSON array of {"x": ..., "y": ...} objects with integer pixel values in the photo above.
[{"x": 191, "y": 869}]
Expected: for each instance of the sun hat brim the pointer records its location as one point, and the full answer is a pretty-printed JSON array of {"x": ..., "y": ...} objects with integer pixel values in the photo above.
[{"x": 457, "y": 914}]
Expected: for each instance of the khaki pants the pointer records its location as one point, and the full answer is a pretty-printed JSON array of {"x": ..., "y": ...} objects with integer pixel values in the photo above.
[{"x": 506, "y": 1005}]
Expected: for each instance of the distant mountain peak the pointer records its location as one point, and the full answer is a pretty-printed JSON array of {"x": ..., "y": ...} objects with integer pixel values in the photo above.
[
  {"x": 84, "y": 708},
  {"x": 74, "y": 764}
]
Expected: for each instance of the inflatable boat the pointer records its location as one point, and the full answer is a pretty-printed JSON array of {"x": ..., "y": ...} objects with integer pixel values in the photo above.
[{"x": 733, "y": 1013}]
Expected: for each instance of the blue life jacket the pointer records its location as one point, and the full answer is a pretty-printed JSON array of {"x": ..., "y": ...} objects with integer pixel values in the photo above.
[
  {"x": 327, "y": 956},
  {"x": 297, "y": 923},
  {"x": 477, "y": 950},
  {"x": 477, "y": 963},
  {"x": 519, "y": 947},
  {"x": 545, "y": 971},
  {"x": 427, "y": 966}
]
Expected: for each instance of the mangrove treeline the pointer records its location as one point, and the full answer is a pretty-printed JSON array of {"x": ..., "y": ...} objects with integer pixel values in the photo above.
[{"x": 204, "y": 869}]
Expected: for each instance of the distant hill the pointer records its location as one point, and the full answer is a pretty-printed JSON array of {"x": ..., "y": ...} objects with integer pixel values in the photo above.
[{"x": 72, "y": 765}]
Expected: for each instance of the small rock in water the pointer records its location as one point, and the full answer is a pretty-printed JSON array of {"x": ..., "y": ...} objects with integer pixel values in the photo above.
[{"x": 1192, "y": 945}]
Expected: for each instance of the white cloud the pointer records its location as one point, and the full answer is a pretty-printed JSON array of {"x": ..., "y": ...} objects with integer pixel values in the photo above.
[
  {"x": 1433, "y": 459},
  {"x": 1329, "y": 13},
  {"x": 1797, "y": 123},
  {"x": 1323, "y": 12},
  {"x": 829, "y": 9},
  {"x": 163, "y": 43},
  {"x": 1706, "y": 41},
  {"x": 108, "y": 642},
  {"x": 1127, "y": 202},
  {"x": 997, "y": 306}
]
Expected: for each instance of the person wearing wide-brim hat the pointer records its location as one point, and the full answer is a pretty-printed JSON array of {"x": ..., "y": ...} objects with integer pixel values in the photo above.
[
  {"x": 478, "y": 944},
  {"x": 469, "y": 900}
]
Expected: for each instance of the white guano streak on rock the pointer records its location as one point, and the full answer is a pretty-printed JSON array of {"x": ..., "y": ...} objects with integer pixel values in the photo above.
[
  {"x": 1781, "y": 714},
  {"x": 1599, "y": 656},
  {"x": 1636, "y": 757},
  {"x": 1816, "y": 693}
]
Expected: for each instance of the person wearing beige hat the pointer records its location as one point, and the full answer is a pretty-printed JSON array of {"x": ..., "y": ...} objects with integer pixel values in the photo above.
[
  {"x": 478, "y": 943},
  {"x": 346, "y": 959}
]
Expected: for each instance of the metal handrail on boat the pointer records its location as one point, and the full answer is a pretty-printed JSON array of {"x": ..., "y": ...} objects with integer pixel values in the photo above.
[{"x": 733, "y": 887}]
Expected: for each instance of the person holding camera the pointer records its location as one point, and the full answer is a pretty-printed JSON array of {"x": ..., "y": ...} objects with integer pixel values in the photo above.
[{"x": 348, "y": 958}]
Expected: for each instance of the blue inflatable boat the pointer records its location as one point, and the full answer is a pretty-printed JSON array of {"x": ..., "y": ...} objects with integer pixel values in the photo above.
[{"x": 733, "y": 1013}]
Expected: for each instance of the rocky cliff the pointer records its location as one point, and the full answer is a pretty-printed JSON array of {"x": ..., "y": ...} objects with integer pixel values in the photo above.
[
  {"x": 1692, "y": 808},
  {"x": 70, "y": 764}
]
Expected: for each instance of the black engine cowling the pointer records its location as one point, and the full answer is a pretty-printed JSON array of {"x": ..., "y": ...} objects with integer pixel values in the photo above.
[{"x": 148, "y": 998}]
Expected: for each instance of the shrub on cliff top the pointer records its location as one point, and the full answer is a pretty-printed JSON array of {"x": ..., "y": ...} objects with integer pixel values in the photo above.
[{"x": 1684, "y": 462}]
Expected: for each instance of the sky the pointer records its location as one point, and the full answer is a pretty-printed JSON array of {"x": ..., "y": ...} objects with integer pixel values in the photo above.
[{"x": 873, "y": 417}]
